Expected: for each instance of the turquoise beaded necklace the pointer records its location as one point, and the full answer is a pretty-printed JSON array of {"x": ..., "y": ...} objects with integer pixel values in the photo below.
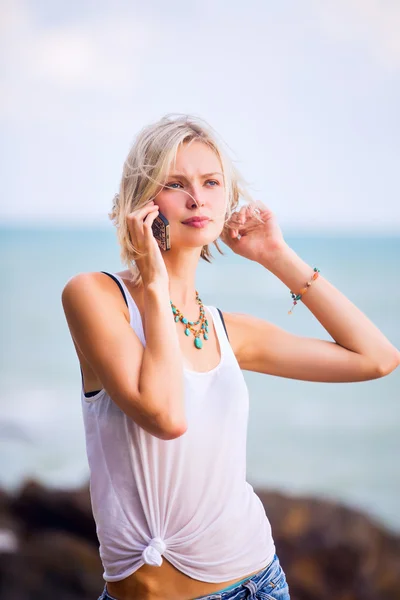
[{"x": 198, "y": 342}]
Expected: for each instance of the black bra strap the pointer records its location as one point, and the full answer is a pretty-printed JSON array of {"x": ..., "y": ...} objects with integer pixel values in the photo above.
[
  {"x": 118, "y": 284},
  {"x": 223, "y": 322},
  {"x": 88, "y": 394}
]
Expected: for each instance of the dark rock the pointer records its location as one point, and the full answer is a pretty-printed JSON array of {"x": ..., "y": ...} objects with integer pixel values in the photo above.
[
  {"x": 327, "y": 550},
  {"x": 42, "y": 508},
  {"x": 51, "y": 565},
  {"x": 332, "y": 552}
]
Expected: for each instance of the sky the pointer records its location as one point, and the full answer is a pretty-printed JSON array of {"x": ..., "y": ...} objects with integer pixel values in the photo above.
[{"x": 305, "y": 94}]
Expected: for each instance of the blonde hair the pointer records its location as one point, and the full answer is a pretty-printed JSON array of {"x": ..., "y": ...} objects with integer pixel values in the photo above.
[{"x": 148, "y": 162}]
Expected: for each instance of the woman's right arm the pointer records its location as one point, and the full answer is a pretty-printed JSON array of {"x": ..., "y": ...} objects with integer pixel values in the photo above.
[{"x": 146, "y": 383}]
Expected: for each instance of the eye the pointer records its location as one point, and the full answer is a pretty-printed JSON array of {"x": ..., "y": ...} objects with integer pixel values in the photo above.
[
  {"x": 169, "y": 185},
  {"x": 175, "y": 183}
]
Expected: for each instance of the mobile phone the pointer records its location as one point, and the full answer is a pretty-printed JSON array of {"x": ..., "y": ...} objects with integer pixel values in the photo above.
[{"x": 160, "y": 227}]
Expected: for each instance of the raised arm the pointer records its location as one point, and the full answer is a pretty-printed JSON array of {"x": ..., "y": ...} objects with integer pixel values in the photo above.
[
  {"x": 146, "y": 383},
  {"x": 359, "y": 350}
]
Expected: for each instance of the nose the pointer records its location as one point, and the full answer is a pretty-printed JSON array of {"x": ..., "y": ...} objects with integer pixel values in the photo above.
[{"x": 195, "y": 198}]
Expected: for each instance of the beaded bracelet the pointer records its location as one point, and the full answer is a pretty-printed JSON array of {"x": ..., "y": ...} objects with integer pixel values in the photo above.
[{"x": 303, "y": 290}]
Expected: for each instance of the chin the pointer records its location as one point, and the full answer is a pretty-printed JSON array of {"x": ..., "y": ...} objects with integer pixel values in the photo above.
[
  {"x": 192, "y": 237},
  {"x": 197, "y": 241}
]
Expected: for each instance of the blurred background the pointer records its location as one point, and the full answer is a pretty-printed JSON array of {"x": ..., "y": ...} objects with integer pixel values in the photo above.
[{"x": 306, "y": 96}]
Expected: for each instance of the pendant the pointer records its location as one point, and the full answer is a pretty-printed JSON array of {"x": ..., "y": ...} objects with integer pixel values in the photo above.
[{"x": 178, "y": 316}]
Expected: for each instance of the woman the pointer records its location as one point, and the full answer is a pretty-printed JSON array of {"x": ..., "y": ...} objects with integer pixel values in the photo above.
[{"x": 164, "y": 399}]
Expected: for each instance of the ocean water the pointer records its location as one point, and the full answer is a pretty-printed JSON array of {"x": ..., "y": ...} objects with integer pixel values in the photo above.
[{"x": 338, "y": 441}]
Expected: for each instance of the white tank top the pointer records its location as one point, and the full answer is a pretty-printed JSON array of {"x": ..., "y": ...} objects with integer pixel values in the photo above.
[{"x": 185, "y": 499}]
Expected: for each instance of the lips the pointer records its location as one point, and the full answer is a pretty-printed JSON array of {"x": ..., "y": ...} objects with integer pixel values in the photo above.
[{"x": 195, "y": 220}]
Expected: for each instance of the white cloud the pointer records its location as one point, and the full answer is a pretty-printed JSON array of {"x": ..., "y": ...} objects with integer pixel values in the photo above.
[
  {"x": 96, "y": 55},
  {"x": 102, "y": 54}
]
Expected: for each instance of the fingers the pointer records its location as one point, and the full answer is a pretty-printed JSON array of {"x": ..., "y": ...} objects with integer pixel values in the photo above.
[
  {"x": 243, "y": 213},
  {"x": 250, "y": 211},
  {"x": 234, "y": 224},
  {"x": 149, "y": 220},
  {"x": 141, "y": 213},
  {"x": 238, "y": 221},
  {"x": 230, "y": 237},
  {"x": 136, "y": 218}
]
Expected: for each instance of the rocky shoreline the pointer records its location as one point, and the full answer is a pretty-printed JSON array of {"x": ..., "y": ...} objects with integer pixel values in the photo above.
[{"x": 49, "y": 548}]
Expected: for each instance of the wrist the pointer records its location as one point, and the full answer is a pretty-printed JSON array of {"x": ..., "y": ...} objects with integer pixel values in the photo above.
[
  {"x": 272, "y": 259},
  {"x": 292, "y": 270},
  {"x": 156, "y": 288}
]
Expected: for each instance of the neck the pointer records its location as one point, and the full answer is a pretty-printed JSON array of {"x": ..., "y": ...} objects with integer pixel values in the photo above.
[{"x": 181, "y": 269}]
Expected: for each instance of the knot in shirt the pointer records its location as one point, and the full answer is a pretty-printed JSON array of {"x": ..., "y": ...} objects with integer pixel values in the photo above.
[{"x": 153, "y": 551}]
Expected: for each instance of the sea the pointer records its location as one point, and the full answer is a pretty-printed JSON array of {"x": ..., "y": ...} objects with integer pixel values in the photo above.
[{"x": 339, "y": 441}]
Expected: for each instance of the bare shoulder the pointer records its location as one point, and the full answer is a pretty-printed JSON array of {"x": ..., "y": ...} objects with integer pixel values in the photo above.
[
  {"x": 109, "y": 350},
  {"x": 92, "y": 280},
  {"x": 89, "y": 290}
]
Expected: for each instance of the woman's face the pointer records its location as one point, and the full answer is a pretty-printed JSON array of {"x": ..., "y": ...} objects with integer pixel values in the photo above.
[{"x": 194, "y": 188}]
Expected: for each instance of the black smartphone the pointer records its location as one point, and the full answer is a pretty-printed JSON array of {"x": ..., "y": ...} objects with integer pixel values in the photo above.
[{"x": 160, "y": 229}]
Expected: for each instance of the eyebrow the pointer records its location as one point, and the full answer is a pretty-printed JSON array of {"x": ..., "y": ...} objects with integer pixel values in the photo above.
[{"x": 204, "y": 175}]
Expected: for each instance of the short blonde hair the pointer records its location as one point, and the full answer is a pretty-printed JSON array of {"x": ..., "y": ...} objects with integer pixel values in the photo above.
[{"x": 147, "y": 164}]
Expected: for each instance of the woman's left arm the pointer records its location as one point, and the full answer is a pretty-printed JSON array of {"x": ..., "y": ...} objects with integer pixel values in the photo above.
[{"x": 359, "y": 352}]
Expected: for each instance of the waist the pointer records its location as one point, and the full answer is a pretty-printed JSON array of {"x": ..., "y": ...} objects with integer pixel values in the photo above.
[
  {"x": 166, "y": 583},
  {"x": 220, "y": 554}
]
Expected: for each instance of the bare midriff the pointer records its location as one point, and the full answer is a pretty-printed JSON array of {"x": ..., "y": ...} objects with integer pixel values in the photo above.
[{"x": 164, "y": 583}]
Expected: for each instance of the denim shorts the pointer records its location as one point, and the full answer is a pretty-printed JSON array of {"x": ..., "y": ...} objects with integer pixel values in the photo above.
[{"x": 268, "y": 584}]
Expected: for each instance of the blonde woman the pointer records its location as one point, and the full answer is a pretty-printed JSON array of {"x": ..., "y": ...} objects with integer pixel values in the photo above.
[{"x": 164, "y": 400}]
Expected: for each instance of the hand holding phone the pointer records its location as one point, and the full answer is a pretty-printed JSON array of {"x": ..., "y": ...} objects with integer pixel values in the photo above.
[{"x": 150, "y": 261}]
